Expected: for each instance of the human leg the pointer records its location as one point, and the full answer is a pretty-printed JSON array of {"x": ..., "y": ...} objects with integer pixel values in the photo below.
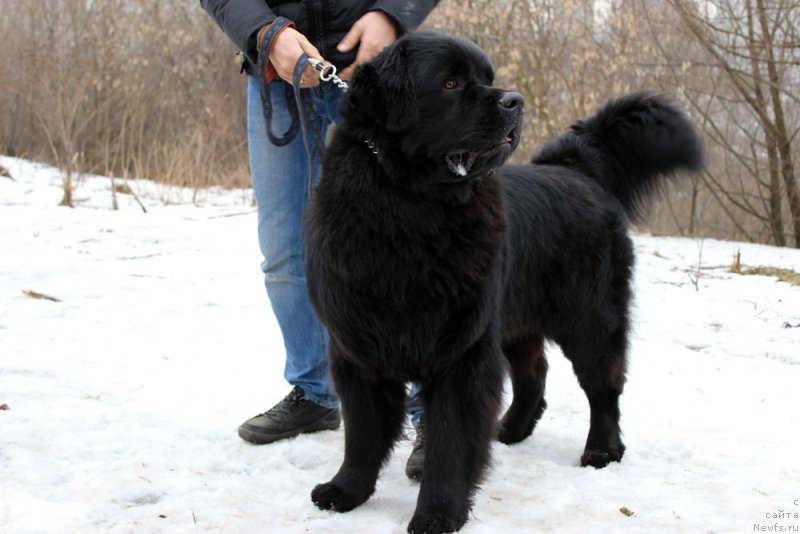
[{"x": 280, "y": 186}]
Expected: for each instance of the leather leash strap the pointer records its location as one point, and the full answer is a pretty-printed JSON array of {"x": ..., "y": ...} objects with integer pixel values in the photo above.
[{"x": 300, "y": 102}]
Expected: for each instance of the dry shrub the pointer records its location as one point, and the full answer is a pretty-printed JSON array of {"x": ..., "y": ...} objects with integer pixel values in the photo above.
[
  {"x": 151, "y": 89},
  {"x": 132, "y": 89}
]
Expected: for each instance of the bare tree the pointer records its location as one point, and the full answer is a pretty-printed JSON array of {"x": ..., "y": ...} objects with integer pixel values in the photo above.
[
  {"x": 752, "y": 52},
  {"x": 132, "y": 89},
  {"x": 152, "y": 90}
]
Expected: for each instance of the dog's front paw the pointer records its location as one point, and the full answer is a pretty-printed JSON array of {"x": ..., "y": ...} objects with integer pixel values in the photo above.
[
  {"x": 598, "y": 458},
  {"x": 330, "y": 497},
  {"x": 434, "y": 523}
]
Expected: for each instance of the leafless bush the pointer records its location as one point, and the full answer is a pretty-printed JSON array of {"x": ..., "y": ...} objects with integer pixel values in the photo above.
[
  {"x": 151, "y": 89},
  {"x": 734, "y": 64},
  {"x": 122, "y": 88}
]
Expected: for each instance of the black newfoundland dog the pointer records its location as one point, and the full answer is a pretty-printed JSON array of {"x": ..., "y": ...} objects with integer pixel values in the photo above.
[{"x": 429, "y": 262}]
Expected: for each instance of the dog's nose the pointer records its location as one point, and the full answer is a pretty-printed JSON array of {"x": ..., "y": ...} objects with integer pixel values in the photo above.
[{"x": 511, "y": 100}]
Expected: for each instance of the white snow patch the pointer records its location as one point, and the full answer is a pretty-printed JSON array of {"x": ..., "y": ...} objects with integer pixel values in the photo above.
[{"x": 124, "y": 396}]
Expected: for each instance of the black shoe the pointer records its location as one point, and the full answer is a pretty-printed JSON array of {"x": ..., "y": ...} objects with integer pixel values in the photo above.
[
  {"x": 292, "y": 416},
  {"x": 416, "y": 462}
]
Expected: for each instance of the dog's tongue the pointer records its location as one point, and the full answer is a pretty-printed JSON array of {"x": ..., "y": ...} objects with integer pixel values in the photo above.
[{"x": 460, "y": 163}]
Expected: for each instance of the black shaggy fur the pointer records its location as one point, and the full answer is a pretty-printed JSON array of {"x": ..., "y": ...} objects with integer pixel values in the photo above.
[{"x": 430, "y": 262}]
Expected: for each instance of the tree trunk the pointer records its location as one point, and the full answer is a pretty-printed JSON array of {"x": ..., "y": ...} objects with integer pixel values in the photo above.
[
  {"x": 775, "y": 204},
  {"x": 782, "y": 136}
]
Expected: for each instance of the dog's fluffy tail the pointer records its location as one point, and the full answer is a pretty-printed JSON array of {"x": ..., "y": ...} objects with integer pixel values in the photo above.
[{"x": 631, "y": 147}]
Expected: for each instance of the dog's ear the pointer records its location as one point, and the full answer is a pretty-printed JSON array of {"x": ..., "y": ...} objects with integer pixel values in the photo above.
[
  {"x": 384, "y": 89},
  {"x": 365, "y": 95},
  {"x": 397, "y": 85}
]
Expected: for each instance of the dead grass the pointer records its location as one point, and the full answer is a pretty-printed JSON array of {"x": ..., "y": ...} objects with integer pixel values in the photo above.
[{"x": 784, "y": 275}]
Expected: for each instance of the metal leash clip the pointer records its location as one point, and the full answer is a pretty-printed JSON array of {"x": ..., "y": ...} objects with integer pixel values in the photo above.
[{"x": 327, "y": 73}]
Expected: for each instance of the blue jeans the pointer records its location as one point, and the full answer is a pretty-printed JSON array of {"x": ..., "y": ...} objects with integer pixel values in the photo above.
[{"x": 280, "y": 185}]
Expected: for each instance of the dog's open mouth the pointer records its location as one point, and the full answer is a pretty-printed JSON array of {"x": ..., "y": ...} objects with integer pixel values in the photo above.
[{"x": 460, "y": 162}]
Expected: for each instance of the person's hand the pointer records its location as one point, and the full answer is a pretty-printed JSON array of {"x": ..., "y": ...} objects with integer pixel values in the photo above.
[
  {"x": 374, "y": 31},
  {"x": 289, "y": 45}
]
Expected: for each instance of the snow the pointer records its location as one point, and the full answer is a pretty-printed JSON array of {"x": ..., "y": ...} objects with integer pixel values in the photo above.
[{"x": 124, "y": 396}]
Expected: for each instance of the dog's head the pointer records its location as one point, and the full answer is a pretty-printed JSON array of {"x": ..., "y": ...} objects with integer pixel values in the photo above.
[{"x": 431, "y": 96}]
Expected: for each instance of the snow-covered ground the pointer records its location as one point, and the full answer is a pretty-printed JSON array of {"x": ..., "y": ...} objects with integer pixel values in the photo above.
[{"x": 124, "y": 396}]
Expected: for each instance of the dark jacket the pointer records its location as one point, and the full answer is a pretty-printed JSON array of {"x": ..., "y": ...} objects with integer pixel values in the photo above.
[{"x": 323, "y": 22}]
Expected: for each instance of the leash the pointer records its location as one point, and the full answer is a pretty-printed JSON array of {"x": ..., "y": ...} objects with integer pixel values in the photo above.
[{"x": 300, "y": 102}]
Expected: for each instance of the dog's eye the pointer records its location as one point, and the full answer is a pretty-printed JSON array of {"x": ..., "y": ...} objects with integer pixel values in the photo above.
[{"x": 450, "y": 85}]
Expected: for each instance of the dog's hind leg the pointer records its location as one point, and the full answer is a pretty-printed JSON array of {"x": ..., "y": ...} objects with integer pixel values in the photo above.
[
  {"x": 528, "y": 376},
  {"x": 373, "y": 411},
  {"x": 601, "y": 374},
  {"x": 461, "y": 405}
]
